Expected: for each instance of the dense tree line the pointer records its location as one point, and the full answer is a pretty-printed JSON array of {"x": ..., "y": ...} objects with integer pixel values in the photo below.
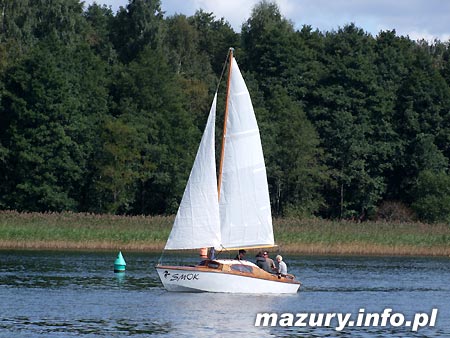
[{"x": 102, "y": 112}]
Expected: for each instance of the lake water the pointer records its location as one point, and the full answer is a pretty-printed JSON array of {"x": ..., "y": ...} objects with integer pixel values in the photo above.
[{"x": 73, "y": 294}]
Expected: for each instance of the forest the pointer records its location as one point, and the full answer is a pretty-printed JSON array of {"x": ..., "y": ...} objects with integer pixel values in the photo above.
[{"x": 102, "y": 112}]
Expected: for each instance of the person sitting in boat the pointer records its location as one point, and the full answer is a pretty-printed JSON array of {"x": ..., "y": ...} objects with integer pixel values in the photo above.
[
  {"x": 270, "y": 262},
  {"x": 212, "y": 253},
  {"x": 282, "y": 267},
  {"x": 261, "y": 262},
  {"x": 241, "y": 255}
]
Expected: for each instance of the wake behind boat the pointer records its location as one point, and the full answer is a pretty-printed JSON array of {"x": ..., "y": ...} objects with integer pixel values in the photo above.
[{"x": 229, "y": 212}]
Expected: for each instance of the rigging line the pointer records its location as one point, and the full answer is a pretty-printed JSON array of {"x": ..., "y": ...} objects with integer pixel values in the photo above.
[
  {"x": 161, "y": 257},
  {"x": 223, "y": 71}
]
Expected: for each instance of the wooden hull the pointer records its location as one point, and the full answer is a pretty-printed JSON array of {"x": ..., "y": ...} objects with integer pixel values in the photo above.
[{"x": 230, "y": 276}]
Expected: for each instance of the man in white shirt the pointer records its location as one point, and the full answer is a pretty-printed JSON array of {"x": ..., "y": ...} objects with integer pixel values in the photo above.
[{"x": 282, "y": 267}]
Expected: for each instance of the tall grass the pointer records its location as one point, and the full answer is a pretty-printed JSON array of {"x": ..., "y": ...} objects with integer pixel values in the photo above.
[
  {"x": 318, "y": 236},
  {"x": 149, "y": 233},
  {"x": 82, "y": 231}
]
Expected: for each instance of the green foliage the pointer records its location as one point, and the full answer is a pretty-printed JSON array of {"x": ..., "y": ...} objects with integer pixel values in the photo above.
[
  {"x": 347, "y": 100},
  {"x": 214, "y": 37},
  {"x": 295, "y": 172},
  {"x": 101, "y": 21},
  {"x": 49, "y": 115},
  {"x": 268, "y": 42},
  {"x": 118, "y": 164},
  {"x": 192, "y": 66},
  {"x": 103, "y": 111},
  {"x": 295, "y": 175},
  {"x": 420, "y": 118},
  {"x": 149, "y": 99},
  {"x": 432, "y": 202},
  {"x": 136, "y": 26}
]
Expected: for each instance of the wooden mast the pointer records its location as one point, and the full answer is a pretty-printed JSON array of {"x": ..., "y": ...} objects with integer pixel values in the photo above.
[
  {"x": 204, "y": 251},
  {"x": 219, "y": 182}
]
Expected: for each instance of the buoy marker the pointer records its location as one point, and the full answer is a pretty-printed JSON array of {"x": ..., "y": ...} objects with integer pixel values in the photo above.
[{"x": 119, "y": 263}]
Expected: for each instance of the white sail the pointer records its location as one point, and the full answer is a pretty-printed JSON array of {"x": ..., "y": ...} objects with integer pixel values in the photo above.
[
  {"x": 240, "y": 218},
  {"x": 244, "y": 203},
  {"x": 197, "y": 223}
]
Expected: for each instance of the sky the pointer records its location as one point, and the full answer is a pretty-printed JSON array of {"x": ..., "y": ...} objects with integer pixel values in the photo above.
[{"x": 418, "y": 19}]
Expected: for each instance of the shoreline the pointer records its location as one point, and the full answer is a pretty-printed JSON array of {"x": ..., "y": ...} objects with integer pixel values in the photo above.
[
  {"x": 306, "y": 249},
  {"x": 90, "y": 232}
]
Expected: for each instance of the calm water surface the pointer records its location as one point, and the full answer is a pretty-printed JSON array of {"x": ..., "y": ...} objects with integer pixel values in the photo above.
[{"x": 66, "y": 294}]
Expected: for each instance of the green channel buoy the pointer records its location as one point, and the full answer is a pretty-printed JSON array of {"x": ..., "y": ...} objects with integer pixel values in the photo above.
[{"x": 119, "y": 263}]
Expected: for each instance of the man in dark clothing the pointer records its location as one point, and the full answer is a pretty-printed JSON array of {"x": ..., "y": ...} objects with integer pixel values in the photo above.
[
  {"x": 261, "y": 262},
  {"x": 241, "y": 255},
  {"x": 270, "y": 262}
]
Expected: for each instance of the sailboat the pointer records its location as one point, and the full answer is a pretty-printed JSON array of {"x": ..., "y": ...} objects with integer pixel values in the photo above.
[{"x": 228, "y": 212}]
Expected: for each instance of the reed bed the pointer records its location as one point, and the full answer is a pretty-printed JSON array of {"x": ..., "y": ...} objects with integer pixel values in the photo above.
[
  {"x": 323, "y": 237},
  {"x": 82, "y": 231},
  {"x": 78, "y": 231}
]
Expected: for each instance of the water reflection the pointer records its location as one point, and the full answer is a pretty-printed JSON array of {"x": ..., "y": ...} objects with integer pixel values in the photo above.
[
  {"x": 102, "y": 282},
  {"x": 99, "y": 327},
  {"x": 71, "y": 270},
  {"x": 206, "y": 314},
  {"x": 65, "y": 294},
  {"x": 120, "y": 277}
]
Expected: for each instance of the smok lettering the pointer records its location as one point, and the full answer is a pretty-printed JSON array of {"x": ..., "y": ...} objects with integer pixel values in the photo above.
[{"x": 183, "y": 276}]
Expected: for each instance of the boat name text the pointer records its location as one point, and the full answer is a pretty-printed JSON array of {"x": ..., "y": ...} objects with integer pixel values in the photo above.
[{"x": 180, "y": 276}]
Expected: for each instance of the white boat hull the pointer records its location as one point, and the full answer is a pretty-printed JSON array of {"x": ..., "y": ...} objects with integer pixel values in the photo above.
[{"x": 192, "y": 279}]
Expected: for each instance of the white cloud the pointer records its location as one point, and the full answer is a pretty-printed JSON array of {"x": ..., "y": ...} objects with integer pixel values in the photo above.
[
  {"x": 423, "y": 35},
  {"x": 418, "y": 19},
  {"x": 236, "y": 12}
]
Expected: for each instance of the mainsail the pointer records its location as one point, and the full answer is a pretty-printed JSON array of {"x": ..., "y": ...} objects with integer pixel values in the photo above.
[
  {"x": 245, "y": 215},
  {"x": 241, "y": 217}
]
